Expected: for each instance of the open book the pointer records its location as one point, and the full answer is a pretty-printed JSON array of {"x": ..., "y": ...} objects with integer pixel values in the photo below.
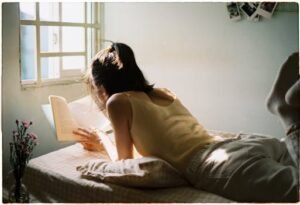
[{"x": 81, "y": 113}]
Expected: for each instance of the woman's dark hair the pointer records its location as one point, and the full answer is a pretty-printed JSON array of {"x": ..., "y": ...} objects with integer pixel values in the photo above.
[{"x": 116, "y": 70}]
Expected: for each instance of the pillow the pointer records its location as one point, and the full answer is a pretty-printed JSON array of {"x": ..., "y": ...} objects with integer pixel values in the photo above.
[{"x": 145, "y": 172}]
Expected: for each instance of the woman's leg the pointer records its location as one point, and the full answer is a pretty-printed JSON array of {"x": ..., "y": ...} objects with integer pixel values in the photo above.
[
  {"x": 292, "y": 96},
  {"x": 253, "y": 169},
  {"x": 287, "y": 77},
  {"x": 292, "y": 141},
  {"x": 284, "y": 102}
]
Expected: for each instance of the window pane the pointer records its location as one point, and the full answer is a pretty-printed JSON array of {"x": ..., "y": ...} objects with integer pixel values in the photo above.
[
  {"x": 49, "y": 11},
  {"x": 90, "y": 7},
  {"x": 49, "y": 38},
  {"x": 90, "y": 44},
  {"x": 27, "y": 10},
  {"x": 73, "y": 62},
  {"x": 73, "y": 39},
  {"x": 28, "y": 53},
  {"x": 73, "y": 12},
  {"x": 50, "y": 68}
]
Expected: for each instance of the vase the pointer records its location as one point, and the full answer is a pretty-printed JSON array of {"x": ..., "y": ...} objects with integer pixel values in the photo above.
[{"x": 18, "y": 192}]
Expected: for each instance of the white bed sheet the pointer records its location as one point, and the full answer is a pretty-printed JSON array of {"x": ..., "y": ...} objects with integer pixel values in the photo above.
[{"x": 53, "y": 178}]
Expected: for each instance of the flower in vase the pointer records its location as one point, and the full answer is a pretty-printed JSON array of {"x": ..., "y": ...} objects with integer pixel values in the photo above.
[{"x": 21, "y": 147}]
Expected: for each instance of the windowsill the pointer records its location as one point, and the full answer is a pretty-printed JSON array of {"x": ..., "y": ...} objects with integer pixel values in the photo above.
[{"x": 48, "y": 83}]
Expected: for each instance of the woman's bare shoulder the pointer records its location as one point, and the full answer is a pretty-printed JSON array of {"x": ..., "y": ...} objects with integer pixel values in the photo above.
[
  {"x": 164, "y": 92},
  {"x": 118, "y": 107},
  {"x": 117, "y": 99}
]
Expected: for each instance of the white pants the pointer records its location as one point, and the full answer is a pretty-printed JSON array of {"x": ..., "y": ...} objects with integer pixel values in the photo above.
[
  {"x": 250, "y": 169},
  {"x": 292, "y": 141}
]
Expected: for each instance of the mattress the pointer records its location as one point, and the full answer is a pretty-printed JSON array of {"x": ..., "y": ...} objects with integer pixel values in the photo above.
[{"x": 53, "y": 178}]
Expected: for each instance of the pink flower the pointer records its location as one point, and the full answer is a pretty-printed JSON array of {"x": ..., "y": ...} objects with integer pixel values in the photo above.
[
  {"x": 26, "y": 124},
  {"x": 22, "y": 145},
  {"x": 32, "y": 136}
]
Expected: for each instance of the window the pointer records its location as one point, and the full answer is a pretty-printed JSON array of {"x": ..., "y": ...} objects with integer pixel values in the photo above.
[{"x": 57, "y": 40}]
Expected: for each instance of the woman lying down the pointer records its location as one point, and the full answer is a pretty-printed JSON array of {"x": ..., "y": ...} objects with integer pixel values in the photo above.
[{"x": 251, "y": 169}]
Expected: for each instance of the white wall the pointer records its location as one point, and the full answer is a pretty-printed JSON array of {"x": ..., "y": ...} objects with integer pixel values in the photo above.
[
  {"x": 25, "y": 104},
  {"x": 221, "y": 70}
]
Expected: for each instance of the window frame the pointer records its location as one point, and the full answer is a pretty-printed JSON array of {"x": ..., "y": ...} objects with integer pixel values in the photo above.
[{"x": 66, "y": 76}]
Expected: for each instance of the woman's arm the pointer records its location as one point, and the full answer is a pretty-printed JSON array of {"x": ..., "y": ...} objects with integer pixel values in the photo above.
[{"x": 120, "y": 114}]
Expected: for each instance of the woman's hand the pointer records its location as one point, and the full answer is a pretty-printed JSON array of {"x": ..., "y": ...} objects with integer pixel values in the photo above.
[{"x": 89, "y": 139}]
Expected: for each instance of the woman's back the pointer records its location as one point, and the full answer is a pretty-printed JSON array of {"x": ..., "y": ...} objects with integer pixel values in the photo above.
[{"x": 161, "y": 126}]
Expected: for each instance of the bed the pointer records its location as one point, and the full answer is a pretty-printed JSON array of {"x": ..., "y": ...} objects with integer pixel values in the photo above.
[{"x": 53, "y": 178}]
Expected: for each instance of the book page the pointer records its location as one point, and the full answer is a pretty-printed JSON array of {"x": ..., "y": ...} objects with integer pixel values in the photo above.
[
  {"x": 87, "y": 114},
  {"x": 63, "y": 119},
  {"x": 108, "y": 141}
]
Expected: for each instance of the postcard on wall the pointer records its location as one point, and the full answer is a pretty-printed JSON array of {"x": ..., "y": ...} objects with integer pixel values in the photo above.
[
  {"x": 250, "y": 9},
  {"x": 233, "y": 11},
  {"x": 266, "y": 9},
  {"x": 256, "y": 18}
]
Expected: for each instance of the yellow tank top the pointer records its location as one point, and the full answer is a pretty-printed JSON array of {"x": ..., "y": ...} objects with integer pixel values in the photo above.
[{"x": 168, "y": 132}]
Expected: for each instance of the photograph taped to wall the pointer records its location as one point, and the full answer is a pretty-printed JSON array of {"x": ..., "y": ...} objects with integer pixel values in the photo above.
[
  {"x": 256, "y": 18},
  {"x": 233, "y": 11},
  {"x": 266, "y": 9},
  {"x": 250, "y": 9}
]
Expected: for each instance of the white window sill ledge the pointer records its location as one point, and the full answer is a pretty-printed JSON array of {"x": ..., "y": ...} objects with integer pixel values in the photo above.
[{"x": 31, "y": 85}]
